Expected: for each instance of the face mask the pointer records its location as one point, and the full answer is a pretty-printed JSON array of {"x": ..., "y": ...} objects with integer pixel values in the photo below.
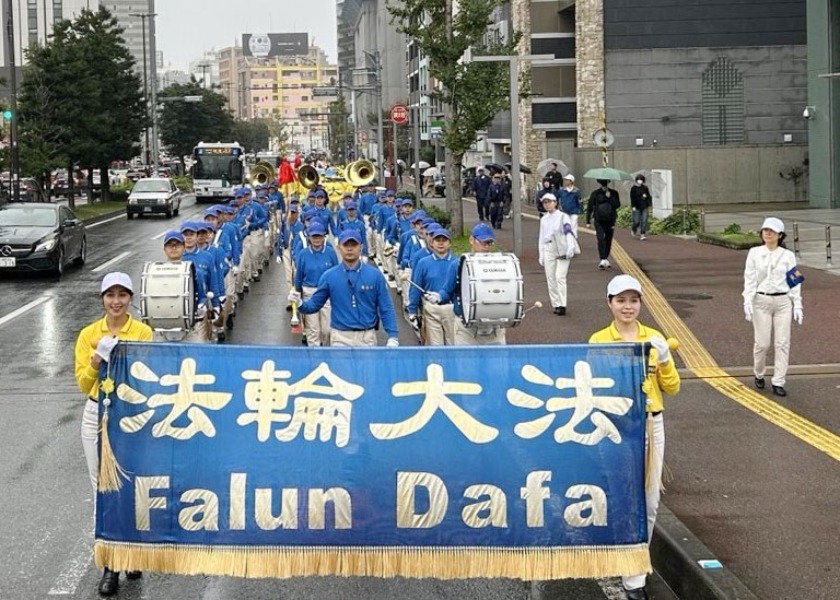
[{"x": 639, "y": 182}]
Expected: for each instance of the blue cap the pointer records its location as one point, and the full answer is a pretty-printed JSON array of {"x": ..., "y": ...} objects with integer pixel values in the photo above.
[
  {"x": 273, "y": 184},
  {"x": 442, "y": 232},
  {"x": 398, "y": 202},
  {"x": 427, "y": 221},
  {"x": 229, "y": 209},
  {"x": 242, "y": 191},
  {"x": 349, "y": 234},
  {"x": 204, "y": 226},
  {"x": 432, "y": 227},
  {"x": 293, "y": 207},
  {"x": 309, "y": 213},
  {"x": 482, "y": 232},
  {"x": 316, "y": 228},
  {"x": 389, "y": 192},
  {"x": 212, "y": 211},
  {"x": 188, "y": 226},
  {"x": 172, "y": 235},
  {"x": 407, "y": 201},
  {"x": 320, "y": 194},
  {"x": 350, "y": 206}
]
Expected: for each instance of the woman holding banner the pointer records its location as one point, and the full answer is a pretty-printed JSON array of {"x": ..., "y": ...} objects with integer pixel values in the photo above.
[
  {"x": 624, "y": 299},
  {"x": 93, "y": 346}
]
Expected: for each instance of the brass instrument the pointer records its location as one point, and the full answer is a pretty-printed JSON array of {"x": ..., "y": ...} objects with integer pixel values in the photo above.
[
  {"x": 360, "y": 172},
  {"x": 308, "y": 176},
  {"x": 262, "y": 173}
]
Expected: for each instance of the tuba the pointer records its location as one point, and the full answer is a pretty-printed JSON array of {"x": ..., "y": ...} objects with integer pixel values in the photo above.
[
  {"x": 360, "y": 172},
  {"x": 308, "y": 176},
  {"x": 262, "y": 173}
]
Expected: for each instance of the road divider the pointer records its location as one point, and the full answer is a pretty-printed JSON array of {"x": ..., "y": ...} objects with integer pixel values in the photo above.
[
  {"x": 23, "y": 309},
  {"x": 113, "y": 261}
]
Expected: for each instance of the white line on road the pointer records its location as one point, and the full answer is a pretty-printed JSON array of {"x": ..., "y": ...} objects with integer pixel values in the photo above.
[
  {"x": 160, "y": 235},
  {"x": 114, "y": 260},
  {"x": 73, "y": 570},
  {"x": 120, "y": 216},
  {"x": 23, "y": 309}
]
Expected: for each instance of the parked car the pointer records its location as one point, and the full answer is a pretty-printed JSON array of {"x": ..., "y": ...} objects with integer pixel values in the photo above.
[
  {"x": 38, "y": 236},
  {"x": 154, "y": 195},
  {"x": 30, "y": 191},
  {"x": 136, "y": 173}
]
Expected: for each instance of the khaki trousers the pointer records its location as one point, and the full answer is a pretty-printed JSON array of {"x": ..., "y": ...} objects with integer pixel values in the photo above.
[
  {"x": 352, "y": 338},
  {"x": 439, "y": 324},
  {"x": 470, "y": 336},
  {"x": 771, "y": 317},
  {"x": 316, "y": 327}
]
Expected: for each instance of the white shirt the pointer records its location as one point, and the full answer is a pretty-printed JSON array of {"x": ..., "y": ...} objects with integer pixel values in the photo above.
[
  {"x": 765, "y": 272},
  {"x": 551, "y": 224}
]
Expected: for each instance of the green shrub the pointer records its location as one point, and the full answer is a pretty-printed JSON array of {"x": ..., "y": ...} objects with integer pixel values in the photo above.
[
  {"x": 441, "y": 216},
  {"x": 183, "y": 183},
  {"x": 732, "y": 229},
  {"x": 119, "y": 191},
  {"x": 624, "y": 217},
  {"x": 674, "y": 224}
]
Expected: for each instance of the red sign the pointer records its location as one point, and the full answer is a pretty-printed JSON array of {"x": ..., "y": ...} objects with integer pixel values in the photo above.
[{"x": 399, "y": 113}]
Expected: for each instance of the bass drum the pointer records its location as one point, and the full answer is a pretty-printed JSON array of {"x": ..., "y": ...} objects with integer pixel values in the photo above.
[
  {"x": 492, "y": 291},
  {"x": 167, "y": 295}
]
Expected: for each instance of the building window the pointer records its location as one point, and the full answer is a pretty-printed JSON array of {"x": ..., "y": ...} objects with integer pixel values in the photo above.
[
  {"x": 58, "y": 10},
  {"x": 32, "y": 19},
  {"x": 723, "y": 103}
]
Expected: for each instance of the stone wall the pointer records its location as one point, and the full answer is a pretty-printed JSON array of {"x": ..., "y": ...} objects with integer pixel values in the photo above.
[{"x": 589, "y": 54}]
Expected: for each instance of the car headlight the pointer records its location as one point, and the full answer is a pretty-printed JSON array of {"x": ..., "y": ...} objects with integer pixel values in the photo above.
[
  {"x": 46, "y": 245},
  {"x": 161, "y": 200},
  {"x": 132, "y": 200}
]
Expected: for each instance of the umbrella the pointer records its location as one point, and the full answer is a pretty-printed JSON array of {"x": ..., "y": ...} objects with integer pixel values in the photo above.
[
  {"x": 607, "y": 173},
  {"x": 401, "y": 162},
  {"x": 545, "y": 166},
  {"x": 522, "y": 168},
  {"x": 422, "y": 164},
  {"x": 494, "y": 167},
  {"x": 653, "y": 180},
  {"x": 431, "y": 172}
]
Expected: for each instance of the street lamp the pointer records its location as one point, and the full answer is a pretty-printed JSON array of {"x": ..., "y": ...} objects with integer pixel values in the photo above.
[
  {"x": 143, "y": 17},
  {"x": 513, "y": 62},
  {"x": 377, "y": 66},
  {"x": 13, "y": 133}
]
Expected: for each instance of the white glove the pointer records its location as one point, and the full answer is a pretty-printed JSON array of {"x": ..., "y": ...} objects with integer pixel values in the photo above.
[
  {"x": 797, "y": 314},
  {"x": 235, "y": 270},
  {"x": 414, "y": 321},
  {"x": 661, "y": 347},
  {"x": 748, "y": 312},
  {"x": 294, "y": 296},
  {"x": 542, "y": 261},
  {"x": 392, "y": 343},
  {"x": 105, "y": 346},
  {"x": 432, "y": 297}
]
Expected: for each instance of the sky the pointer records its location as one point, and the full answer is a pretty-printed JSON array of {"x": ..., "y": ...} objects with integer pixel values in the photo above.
[{"x": 188, "y": 28}]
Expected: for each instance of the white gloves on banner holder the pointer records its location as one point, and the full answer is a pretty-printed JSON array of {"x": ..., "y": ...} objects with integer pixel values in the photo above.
[
  {"x": 105, "y": 346},
  {"x": 662, "y": 350}
]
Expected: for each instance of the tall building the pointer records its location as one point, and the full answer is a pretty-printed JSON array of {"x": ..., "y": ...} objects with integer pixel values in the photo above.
[
  {"x": 132, "y": 16},
  {"x": 33, "y": 22},
  {"x": 280, "y": 88}
]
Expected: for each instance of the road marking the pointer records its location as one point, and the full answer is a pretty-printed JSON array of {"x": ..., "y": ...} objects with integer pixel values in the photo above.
[
  {"x": 73, "y": 570},
  {"x": 700, "y": 361},
  {"x": 23, "y": 309},
  {"x": 118, "y": 217},
  {"x": 114, "y": 260}
]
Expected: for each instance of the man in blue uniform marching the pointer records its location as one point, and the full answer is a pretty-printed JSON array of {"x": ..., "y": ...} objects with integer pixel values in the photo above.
[
  {"x": 359, "y": 297},
  {"x": 310, "y": 263},
  {"x": 433, "y": 283}
]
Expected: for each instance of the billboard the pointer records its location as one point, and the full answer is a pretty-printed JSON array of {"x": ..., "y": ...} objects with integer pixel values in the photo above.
[{"x": 269, "y": 45}]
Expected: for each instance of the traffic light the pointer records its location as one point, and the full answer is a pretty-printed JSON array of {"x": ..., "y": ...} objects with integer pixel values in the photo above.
[{"x": 7, "y": 114}]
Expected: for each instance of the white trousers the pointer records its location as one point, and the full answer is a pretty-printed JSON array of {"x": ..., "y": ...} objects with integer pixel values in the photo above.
[
  {"x": 90, "y": 429},
  {"x": 556, "y": 268},
  {"x": 473, "y": 336},
  {"x": 772, "y": 316},
  {"x": 439, "y": 324},
  {"x": 352, "y": 338},
  {"x": 653, "y": 476},
  {"x": 574, "y": 220},
  {"x": 288, "y": 266},
  {"x": 316, "y": 327}
]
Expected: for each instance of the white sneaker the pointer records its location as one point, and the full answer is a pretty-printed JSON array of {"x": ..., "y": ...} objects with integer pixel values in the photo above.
[
  {"x": 643, "y": 237},
  {"x": 607, "y": 264},
  {"x": 602, "y": 265}
]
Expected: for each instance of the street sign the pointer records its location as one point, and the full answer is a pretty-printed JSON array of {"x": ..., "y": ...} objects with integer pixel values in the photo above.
[
  {"x": 399, "y": 113},
  {"x": 325, "y": 90},
  {"x": 361, "y": 135},
  {"x": 435, "y": 127}
]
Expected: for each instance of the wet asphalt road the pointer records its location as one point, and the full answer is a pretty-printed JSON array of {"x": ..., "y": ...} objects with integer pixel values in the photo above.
[{"x": 45, "y": 497}]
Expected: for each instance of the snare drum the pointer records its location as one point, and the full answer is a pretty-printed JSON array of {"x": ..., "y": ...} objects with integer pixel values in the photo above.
[
  {"x": 492, "y": 292},
  {"x": 167, "y": 295}
]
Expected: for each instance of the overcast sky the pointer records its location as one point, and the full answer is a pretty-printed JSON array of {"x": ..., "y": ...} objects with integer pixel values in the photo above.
[{"x": 188, "y": 28}]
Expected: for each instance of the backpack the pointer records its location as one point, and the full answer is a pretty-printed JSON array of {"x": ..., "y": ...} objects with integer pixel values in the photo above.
[{"x": 604, "y": 211}]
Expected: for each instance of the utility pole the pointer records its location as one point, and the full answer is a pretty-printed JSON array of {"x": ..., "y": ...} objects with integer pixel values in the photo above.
[
  {"x": 143, "y": 17},
  {"x": 153, "y": 82},
  {"x": 13, "y": 133}
]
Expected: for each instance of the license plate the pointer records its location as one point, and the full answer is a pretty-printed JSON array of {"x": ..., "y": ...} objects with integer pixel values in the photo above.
[
  {"x": 7, "y": 261},
  {"x": 147, "y": 209}
]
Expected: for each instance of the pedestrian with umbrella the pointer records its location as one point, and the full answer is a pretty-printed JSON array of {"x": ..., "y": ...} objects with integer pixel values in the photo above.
[{"x": 602, "y": 208}]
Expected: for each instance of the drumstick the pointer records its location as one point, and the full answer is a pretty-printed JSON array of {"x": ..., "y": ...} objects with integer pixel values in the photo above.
[
  {"x": 537, "y": 304},
  {"x": 296, "y": 327}
]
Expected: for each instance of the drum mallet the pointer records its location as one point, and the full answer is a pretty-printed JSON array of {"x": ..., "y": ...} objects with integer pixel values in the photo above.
[{"x": 537, "y": 304}]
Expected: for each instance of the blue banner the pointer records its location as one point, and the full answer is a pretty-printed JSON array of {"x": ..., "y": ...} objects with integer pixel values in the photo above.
[{"x": 530, "y": 454}]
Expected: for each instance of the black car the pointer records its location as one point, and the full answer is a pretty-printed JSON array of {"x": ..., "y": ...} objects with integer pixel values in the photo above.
[{"x": 40, "y": 237}]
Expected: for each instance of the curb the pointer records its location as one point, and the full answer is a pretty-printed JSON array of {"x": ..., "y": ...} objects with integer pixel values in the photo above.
[
  {"x": 676, "y": 554},
  {"x": 103, "y": 217}
]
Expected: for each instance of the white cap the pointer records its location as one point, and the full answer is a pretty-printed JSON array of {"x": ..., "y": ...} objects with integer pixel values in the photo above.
[
  {"x": 570, "y": 177},
  {"x": 773, "y": 224},
  {"x": 549, "y": 197},
  {"x": 623, "y": 283},
  {"x": 116, "y": 278}
]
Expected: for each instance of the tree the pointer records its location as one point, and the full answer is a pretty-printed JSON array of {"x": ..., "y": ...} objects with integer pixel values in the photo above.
[
  {"x": 183, "y": 124},
  {"x": 341, "y": 139},
  {"x": 80, "y": 100},
  {"x": 472, "y": 94},
  {"x": 253, "y": 135}
]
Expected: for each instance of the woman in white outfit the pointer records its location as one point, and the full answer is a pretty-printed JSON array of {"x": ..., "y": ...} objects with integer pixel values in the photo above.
[
  {"x": 557, "y": 246},
  {"x": 771, "y": 298}
]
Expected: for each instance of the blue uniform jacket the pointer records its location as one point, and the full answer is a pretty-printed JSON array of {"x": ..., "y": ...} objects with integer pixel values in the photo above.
[
  {"x": 206, "y": 276},
  {"x": 358, "y": 296},
  {"x": 410, "y": 244},
  {"x": 433, "y": 274},
  {"x": 310, "y": 264}
]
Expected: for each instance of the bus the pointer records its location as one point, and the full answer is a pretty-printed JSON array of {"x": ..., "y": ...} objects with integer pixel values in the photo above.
[{"x": 217, "y": 169}]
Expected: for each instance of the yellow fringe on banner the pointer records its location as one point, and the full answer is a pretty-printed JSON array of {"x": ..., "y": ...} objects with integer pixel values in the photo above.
[{"x": 440, "y": 563}]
